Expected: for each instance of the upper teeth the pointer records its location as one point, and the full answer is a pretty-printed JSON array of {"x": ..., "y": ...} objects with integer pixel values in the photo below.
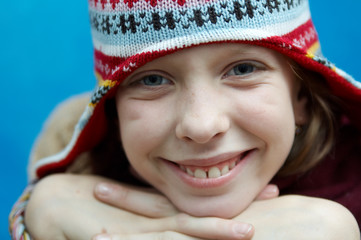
[
  {"x": 213, "y": 172},
  {"x": 199, "y": 173}
]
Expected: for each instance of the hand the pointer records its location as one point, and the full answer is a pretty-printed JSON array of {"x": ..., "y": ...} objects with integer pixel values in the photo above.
[
  {"x": 149, "y": 202},
  {"x": 152, "y": 204},
  {"x": 63, "y": 206},
  {"x": 286, "y": 217}
]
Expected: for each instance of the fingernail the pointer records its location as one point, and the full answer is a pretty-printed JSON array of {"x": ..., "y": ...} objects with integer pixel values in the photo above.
[
  {"x": 272, "y": 189},
  {"x": 242, "y": 230},
  {"x": 102, "y": 237},
  {"x": 103, "y": 189}
]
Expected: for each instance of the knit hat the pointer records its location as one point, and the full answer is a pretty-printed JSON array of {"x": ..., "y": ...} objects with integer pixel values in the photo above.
[{"x": 129, "y": 33}]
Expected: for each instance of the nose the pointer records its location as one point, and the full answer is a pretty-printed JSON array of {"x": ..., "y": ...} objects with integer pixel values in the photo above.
[{"x": 202, "y": 118}]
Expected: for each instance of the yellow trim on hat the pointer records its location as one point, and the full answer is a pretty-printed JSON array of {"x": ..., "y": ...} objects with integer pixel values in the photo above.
[
  {"x": 92, "y": 105},
  {"x": 104, "y": 83},
  {"x": 313, "y": 49}
]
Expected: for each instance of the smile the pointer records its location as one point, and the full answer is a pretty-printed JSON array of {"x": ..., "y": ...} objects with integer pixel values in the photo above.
[
  {"x": 210, "y": 173},
  {"x": 213, "y": 171}
]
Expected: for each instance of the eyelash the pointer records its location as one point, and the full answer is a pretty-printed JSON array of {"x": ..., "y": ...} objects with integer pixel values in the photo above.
[
  {"x": 154, "y": 80},
  {"x": 235, "y": 68}
]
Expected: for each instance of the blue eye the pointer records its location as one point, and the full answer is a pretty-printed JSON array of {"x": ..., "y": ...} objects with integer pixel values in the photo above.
[
  {"x": 242, "y": 69},
  {"x": 154, "y": 80}
]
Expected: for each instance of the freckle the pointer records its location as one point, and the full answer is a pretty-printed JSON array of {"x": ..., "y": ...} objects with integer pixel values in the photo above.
[{"x": 104, "y": 230}]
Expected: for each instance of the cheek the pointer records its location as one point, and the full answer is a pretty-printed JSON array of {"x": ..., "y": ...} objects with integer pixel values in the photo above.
[
  {"x": 142, "y": 127},
  {"x": 269, "y": 119},
  {"x": 267, "y": 115}
]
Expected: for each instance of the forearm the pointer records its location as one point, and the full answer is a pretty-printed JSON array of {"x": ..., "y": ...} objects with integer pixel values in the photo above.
[
  {"x": 64, "y": 207},
  {"x": 287, "y": 217}
]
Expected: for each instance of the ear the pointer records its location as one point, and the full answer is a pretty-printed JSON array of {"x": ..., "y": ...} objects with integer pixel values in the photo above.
[{"x": 300, "y": 110}]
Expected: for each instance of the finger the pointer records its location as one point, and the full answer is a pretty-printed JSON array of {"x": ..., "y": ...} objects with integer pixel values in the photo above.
[
  {"x": 169, "y": 235},
  {"x": 145, "y": 203},
  {"x": 209, "y": 227},
  {"x": 269, "y": 192}
]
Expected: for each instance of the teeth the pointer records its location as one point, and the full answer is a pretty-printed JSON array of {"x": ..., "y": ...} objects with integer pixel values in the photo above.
[
  {"x": 214, "y": 172},
  {"x": 232, "y": 165},
  {"x": 198, "y": 173},
  {"x": 190, "y": 172},
  {"x": 225, "y": 170}
]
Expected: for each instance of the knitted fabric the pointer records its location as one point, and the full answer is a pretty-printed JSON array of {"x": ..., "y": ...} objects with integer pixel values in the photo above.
[
  {"x": 129, "y": 33},
  {"x": 16, "y": 218}
]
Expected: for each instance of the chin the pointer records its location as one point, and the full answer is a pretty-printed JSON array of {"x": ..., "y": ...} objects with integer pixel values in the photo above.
[{"x": 209, "y": 207}]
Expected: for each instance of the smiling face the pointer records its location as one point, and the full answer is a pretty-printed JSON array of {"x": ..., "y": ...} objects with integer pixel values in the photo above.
[{"x": 210, "y": 126}]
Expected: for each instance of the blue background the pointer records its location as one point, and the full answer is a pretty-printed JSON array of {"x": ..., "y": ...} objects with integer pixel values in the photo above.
[{"x": 46, "y": 56}]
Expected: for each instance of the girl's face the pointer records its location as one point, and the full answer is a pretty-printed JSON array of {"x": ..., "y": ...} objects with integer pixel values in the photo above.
[{"x": 211, "y": 125}]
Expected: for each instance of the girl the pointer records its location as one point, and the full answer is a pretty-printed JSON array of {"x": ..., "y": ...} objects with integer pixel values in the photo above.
[{"x": 209, "y": 101}]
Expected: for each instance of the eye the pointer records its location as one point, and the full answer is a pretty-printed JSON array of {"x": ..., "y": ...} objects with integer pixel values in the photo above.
[
  {"x": 242, "y": 69},
  {"x": 154, "y": 80}
]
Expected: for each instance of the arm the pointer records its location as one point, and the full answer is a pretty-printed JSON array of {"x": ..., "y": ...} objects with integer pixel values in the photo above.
[
  {"x": 63, "y": 207},
  {"x": 286, "y": 217}
]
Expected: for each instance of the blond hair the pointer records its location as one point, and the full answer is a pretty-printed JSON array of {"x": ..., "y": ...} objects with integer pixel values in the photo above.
[{"x": 317, "y": 137}]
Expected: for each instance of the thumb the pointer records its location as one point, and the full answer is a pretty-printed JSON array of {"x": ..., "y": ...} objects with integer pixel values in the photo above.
[{"x": 141, "y": 201}]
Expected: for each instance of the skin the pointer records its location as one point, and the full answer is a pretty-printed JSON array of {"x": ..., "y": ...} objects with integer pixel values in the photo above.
[
  {"x": 196, "y": 109},
  {"x": 285, "y": 217},
  {"x": 63, "y": 206},
  {"x": 144, "y": 212},
  {"x": 129, "y": 213}
]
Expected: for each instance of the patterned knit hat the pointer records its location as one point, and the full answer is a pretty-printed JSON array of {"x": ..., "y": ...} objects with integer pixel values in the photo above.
[{"x": 129, "y": 33}]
